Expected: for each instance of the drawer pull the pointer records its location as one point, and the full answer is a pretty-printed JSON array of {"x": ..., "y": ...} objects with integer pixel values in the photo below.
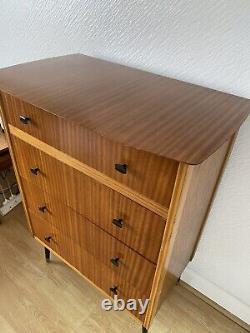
[
  {"x": 122, "y": 168},
  {"x": 35, "y": 170},
  {"x": 114, "y": 290},
  {"x": 115, "y": 261},
  {"x": 42, "y": 209},
  {"x": 47, "y": 238},
  {"x": 24, "y": 119},
  {"x": 118, "y": 222}
]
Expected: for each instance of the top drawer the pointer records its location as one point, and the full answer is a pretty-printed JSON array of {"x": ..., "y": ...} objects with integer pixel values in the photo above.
[{"x": 146, "y": 173}]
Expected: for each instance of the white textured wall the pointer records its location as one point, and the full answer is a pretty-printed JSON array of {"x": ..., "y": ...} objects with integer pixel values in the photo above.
[{"x": 202, "y": 41}]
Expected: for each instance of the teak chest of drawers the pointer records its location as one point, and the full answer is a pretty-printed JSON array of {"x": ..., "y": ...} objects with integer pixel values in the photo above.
[{"x": 117, "y": 167}]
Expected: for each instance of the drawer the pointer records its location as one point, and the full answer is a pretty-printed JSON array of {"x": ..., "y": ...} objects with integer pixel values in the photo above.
[
  {"x": 148, "y": 174},
  {"x": 77, "y": 241},
  {"x": 126, "y": 263},
  {"x": 44, "y": 231},
  {"x": 98, "y": 273},
  {"x": 129, "y": 222}
]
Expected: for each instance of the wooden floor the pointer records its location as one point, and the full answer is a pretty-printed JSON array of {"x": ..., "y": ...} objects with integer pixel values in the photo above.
[{"x": 36, "y": 297}]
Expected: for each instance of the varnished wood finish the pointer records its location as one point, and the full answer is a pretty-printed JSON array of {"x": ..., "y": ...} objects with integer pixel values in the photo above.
[
  {"x": 83, "y": 168},
  {"x": 193, "y": 192},
  {"x": 213, "y": 195},
  {"x": 98, "y": 273},
  {"x": 43, "y": 229},
  {"x": 69, "y": 231},
  {"x": 99, "y": 203},
  {"x": 153, "y": 113},
  {"x": 105, "y": 293},
  {"x": 151, "y": 175},
  {"x": 93, "y": 264},
  {"x": 164, "y": 255},
  {"x": 138, "y": 225}
]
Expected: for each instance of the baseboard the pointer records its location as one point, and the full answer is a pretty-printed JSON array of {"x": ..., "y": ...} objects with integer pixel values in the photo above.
[{"x": 218, "y": 298}]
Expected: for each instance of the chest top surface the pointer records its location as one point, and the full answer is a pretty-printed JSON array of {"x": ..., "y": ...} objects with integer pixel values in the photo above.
[{"x": 167, "y": 117}]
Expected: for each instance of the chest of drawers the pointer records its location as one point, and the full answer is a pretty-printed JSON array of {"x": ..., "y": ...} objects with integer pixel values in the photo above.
[{"x": 117, "y": 168}]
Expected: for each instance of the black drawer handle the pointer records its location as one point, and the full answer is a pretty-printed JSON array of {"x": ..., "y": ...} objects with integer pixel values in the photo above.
[
  {"x": 35, "y": 170},
  {"x": 118, "y": 222},
  {"x": 25, "y": 120},
  {"x": 42, "y": 209},
  {"x": 114, "y": 290},
  {"x": 122, "y": 168},
  {"x": 115, "y": 261},
  {"x": 47, "y": 238}
]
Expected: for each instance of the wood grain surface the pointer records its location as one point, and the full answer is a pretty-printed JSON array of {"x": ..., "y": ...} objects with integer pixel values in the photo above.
[
  {"x": 194, "y": 190},
  {"x": 142, "y": 229},
  {"x": 149, "y": 112},
  {"x": 70, "y": 232},
  {"x": 148, "y": 174},
  {"x": 43, "y": 229},
  {"x": 84, "y": 169},
  {"x": 137, "y": 228},
  {"x": 97, "y": 271}
]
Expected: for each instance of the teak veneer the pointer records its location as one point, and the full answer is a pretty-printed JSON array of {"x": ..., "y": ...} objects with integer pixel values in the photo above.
[
  {"x": 169, "y": 118},
  {"x": 117, "y": 167}
]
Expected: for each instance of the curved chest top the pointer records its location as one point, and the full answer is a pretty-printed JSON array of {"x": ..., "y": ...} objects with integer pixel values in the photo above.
[{"x": 167, "y": 117}]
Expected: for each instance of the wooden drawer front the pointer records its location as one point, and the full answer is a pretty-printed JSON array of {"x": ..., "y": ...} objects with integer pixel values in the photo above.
[
  {"x": 132, "y": 267},
  {"x": 148, "y": 174},
  {"x": 141, "y": 229},
  {"x": 132, "y": 277},
  {"x": 44, "y": 231},
  {"x": 97, "y": 272}
]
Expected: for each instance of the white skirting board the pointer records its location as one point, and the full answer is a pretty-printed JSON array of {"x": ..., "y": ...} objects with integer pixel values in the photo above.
[{"x": 217, "y": 294}]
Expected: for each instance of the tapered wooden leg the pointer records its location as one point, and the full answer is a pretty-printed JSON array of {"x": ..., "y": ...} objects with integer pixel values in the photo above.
[
  {"x": 144, "y": 330},
  {"x": 47, "y": 254}
]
